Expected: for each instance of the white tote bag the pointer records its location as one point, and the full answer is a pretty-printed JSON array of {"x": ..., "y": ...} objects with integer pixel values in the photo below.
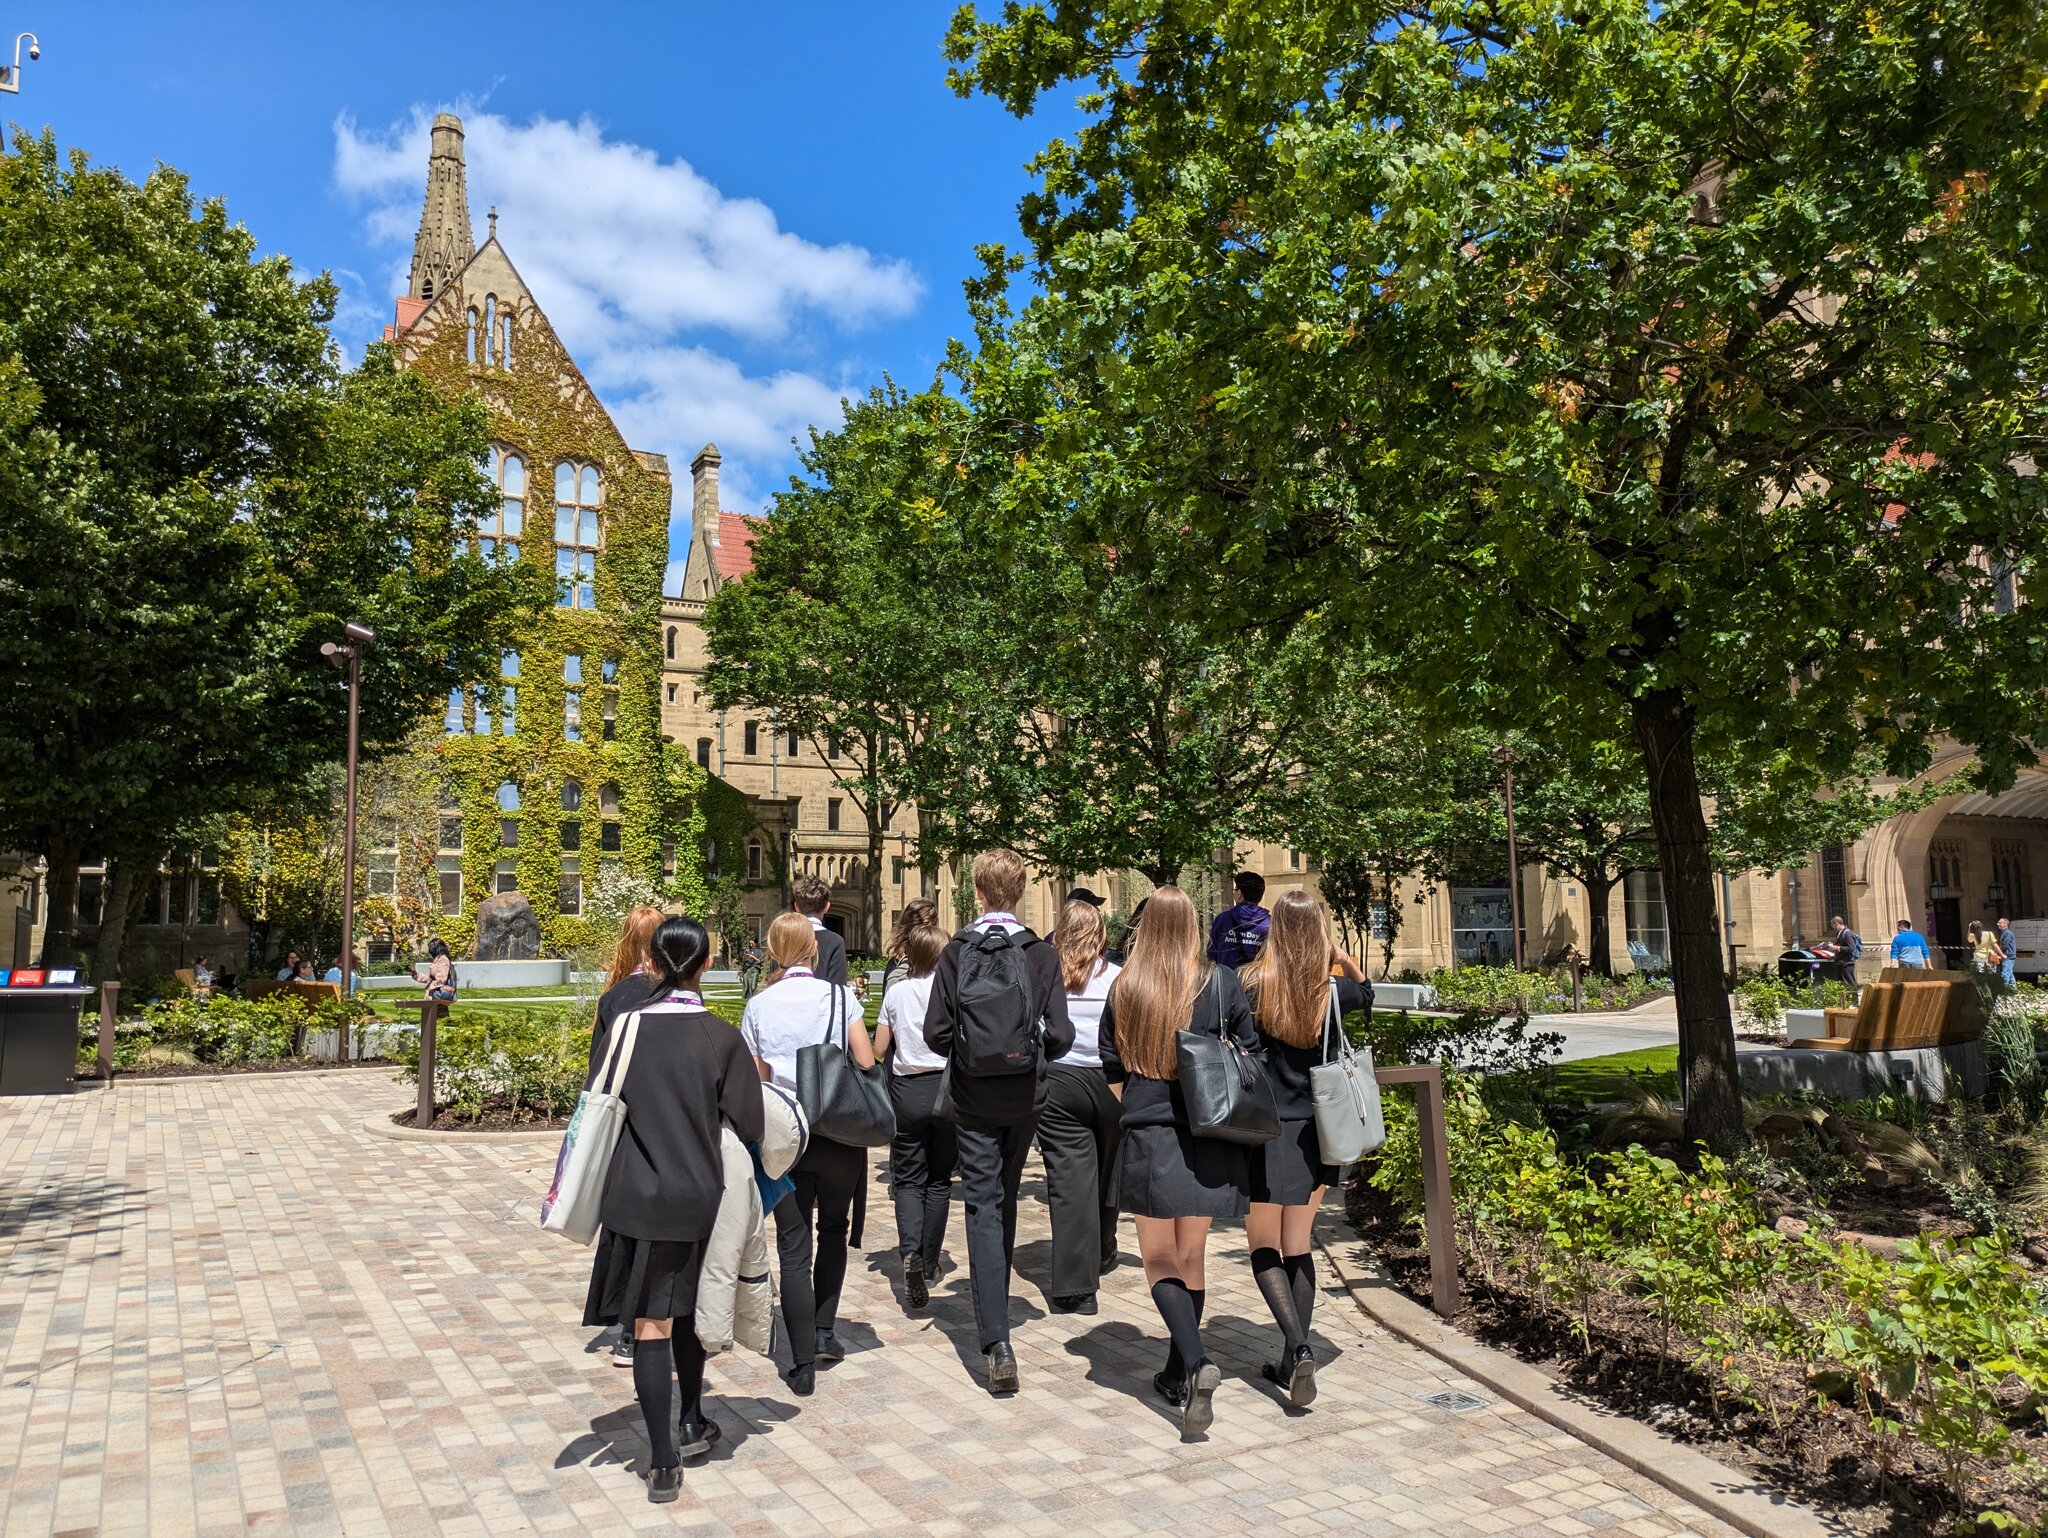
[
  {"x": 570, "y": 1207},
  {"x": 1349, "y": 1123}
]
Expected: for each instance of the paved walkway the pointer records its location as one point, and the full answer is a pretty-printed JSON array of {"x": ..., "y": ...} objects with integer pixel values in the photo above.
[{"x": 224, "y": 1308}]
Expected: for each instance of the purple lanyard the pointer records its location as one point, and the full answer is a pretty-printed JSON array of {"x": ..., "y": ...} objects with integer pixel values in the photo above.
[{"x": 686, "y": 997}]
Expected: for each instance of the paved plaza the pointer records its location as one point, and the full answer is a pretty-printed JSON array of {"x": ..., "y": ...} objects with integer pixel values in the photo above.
[{"x": 225, "y": 1308}]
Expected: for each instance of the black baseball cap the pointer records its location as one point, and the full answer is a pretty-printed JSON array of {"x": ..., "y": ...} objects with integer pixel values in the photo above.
[{"x": 1081, "y": 894}]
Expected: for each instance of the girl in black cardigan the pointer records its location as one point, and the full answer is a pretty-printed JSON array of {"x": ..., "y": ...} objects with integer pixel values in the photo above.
[
  {"x": 1173, "y": 1183},
  {"x": 631, "y": 983},
  {"x": 690, "y": 1074},
  {"x": 1290, "y": 987}
]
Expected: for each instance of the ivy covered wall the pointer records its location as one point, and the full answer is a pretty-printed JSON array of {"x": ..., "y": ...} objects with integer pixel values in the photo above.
[{"x": 544, "y": 411}]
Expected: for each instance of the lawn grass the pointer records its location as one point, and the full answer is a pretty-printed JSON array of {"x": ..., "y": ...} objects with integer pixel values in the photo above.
[{"x": 1599, "y": 1078}]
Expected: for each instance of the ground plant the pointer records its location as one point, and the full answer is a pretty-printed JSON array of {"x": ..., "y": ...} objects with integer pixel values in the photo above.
[{"x": 224, "y": 1031}]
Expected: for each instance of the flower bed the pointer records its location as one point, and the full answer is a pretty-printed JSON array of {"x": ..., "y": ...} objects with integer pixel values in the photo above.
[
  {"x": 187, "y": 1034},
  {"x": 1504, "y": 991},
  {"x": 1916, "y": 1375}
]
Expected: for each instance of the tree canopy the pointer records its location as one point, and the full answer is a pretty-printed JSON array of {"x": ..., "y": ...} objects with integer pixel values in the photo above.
[
  {"x": 1667, "y": 364},
  {"x": 194, "y": 496}
]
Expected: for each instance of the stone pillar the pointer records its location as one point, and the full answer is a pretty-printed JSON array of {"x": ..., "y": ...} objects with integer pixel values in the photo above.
[{"x": 704, "y": 493}]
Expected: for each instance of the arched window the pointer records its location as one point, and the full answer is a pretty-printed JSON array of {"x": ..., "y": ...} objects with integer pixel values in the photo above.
[
  {"x": 608, "y": 798},
  {"x": 490, "y": 329},
  {"x": 505, "y": 338},
  {"x": 508, "y": 797},
  {"x": 578, "y": 493},
  {"x": 671, "y": 643},
  {"x": 469, "y": 331},
  {"x": 498, "y": 538},
  {"x": 572, "y": 795}
]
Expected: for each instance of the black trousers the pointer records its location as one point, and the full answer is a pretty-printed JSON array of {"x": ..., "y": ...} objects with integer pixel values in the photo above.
[
  {"x": 1077, "y": 1136},
  {"x": 991, "y": 1166},
  {"x": 826, "y": 1177},
  {"x": 922, "y": 1158}
]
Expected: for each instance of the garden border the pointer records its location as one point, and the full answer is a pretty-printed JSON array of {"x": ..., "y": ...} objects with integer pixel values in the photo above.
[
  {"x": 1728, "y": 1494},
  {"x": 381, "y": 1125}
]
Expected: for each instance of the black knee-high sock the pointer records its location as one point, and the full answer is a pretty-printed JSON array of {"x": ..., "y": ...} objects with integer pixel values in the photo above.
[
  {"x": 1176, "y": 1369},
  {"x": 1301, "y": 1280},
  {"x": 1270, "y": 1272},
  {"x": 654, "y": 1382},
  {"x": 1176, "y": 1307},
  {"x": 689, "y": 1354}
]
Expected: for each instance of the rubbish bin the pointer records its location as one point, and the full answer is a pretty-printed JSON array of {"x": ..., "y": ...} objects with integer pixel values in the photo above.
[
  {"x": 39, "y": 1038},
  {"x": 1800, "y": 965}
]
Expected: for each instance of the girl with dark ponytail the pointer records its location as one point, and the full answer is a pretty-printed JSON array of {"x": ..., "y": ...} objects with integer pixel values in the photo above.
[{"x": 689, "y": 1074}]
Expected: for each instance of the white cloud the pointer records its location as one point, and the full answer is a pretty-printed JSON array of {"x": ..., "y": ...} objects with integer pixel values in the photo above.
[{"x": 634, "y": 258}]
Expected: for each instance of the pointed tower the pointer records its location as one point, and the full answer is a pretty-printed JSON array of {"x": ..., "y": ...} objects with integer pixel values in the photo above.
[{"x": 445, "y": 242}]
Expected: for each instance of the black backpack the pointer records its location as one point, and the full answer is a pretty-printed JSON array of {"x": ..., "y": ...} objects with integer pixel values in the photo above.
[{"x": 997, "y": 1033}]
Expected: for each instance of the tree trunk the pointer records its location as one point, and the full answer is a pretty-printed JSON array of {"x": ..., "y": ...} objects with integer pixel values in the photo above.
[
  {"x": 60, "y": 932},
  {"x": 1599, "y": 931},
  {"x": 874, "y": 903},
  {"x": 1706, "y": 1031},
  {"x": 118, "y": 905}
]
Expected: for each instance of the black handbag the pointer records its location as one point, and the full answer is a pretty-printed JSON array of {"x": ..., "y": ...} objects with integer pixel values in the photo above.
[
  {"x": 845, "y": 1102},
  {"x": 1224, "y": 1087}
]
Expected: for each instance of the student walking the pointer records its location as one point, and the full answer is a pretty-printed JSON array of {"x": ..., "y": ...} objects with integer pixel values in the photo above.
[
  {"x": 1239, "y": 932},
  {"x": 1848, "y": 950},
  {"x": 795, "y": 1010},
  {"x": 1078, "y": 1129},
  {"x": 689, "y": 1074},
  {"x": 924, "y": 1152},
  {"x": 896, "y": 965},
  {"x": 633, "y": 980},
  {"x": 998, "y": 1015},
  {"x": 1291, "y": 993},
  {"x": 811, "y": 897},
  {"x": 1173, "y": 1183}
]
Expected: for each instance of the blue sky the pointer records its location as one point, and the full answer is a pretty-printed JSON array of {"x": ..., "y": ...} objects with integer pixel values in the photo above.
[{"x": 735, "y": 214}]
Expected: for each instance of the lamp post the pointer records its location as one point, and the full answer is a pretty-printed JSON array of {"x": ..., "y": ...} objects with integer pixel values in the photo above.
[
  {"x": 349, "y": 653},
  {"x": 10, "y": 75},
  {"x": 1507, "y": 769}
]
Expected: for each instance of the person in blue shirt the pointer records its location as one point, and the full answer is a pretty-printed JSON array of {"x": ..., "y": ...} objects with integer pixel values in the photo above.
[
  {"x": 355, "y": 978},
  {"x": 1239, "y": 933},
  {"x": 1910, "y": 948}
]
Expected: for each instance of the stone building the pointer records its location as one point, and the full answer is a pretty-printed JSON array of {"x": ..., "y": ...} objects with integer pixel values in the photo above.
[{"x": 556, "y": 770}]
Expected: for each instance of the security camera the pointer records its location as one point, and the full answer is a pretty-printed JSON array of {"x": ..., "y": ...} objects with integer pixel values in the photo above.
[{"x": 35, "y": 50}]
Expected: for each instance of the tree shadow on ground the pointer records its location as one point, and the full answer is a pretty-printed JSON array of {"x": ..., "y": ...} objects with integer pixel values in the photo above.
[{"x": 46, "y": 1220}]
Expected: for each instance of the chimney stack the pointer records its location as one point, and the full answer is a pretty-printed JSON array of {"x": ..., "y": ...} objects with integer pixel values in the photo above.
[{"x": 704, "y": 492}]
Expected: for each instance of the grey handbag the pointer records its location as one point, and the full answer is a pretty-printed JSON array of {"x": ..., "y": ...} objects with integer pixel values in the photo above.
[
  {"x": 1347, "y": 1096},
  {"x": 845, "y": 1102},
  {"x": 1223, "y": 1086}
]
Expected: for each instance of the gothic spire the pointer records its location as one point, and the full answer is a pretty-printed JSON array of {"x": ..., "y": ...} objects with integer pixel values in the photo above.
[{"x": 445, "y": 242}]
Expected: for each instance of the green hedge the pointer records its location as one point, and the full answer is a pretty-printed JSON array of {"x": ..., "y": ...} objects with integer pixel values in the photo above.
[
  {"x": 1946, "y": 1346},
  {"x": 223, "y": 1030}
]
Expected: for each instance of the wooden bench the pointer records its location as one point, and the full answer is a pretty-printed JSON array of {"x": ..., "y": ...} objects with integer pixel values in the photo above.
[{"x": 1905, "y": 1009}]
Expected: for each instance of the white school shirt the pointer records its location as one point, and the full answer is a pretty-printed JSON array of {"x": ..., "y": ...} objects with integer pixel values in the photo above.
[
  {"x": 792, "y": 1014},
  {"x": 1085, "y": 1010},
  {"x": 903, "y": 1011}
]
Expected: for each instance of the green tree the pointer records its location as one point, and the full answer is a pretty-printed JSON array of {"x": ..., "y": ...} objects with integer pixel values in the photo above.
[
  {"x": 192, "y": 498},
  {"x": 1672, "y": 363}
]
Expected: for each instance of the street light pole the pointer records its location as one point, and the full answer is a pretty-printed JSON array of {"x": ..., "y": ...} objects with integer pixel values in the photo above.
[
  {"x": 10, "y": 75},
  {"x": 350, "y": 652},
  {"x": 1507, "y": 768}
]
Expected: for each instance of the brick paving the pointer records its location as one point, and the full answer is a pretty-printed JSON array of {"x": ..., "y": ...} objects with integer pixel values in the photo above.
[{"x": 225, "y": 1308}]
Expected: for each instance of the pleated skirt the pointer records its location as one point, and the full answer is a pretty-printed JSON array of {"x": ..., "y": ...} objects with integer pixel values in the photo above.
[
  {"x": 642, "y": 1279},
  {"x": 1167, "y": 1172},
  {"x": 1289, "y": 1168}
]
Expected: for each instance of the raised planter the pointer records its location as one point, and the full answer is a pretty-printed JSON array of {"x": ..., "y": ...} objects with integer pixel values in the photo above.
[
  {"x": 1403, "y": 996},
  {"x": 485, "y": 974}
]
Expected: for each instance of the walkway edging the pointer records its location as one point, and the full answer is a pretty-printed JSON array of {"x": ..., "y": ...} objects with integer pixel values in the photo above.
[
  {"x": 382, "y": 1126},
  {"x": 1729, "y": 1494}
]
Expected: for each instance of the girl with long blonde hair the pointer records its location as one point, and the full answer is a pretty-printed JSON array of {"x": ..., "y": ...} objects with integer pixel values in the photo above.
[
  {"x": 795, "y": 1010},
  {"x": 1301, "y": 988},
  {"x": 1078, "y": 1127},
  {"x": 1173, "y": 1183}
]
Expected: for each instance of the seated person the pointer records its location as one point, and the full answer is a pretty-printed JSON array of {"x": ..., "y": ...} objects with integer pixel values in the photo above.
[
  {"x": 290, "y": 969},
  {"x": 303, "y": 973}
]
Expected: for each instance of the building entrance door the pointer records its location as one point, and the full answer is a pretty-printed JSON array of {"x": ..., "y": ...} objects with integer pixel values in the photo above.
[{"x": 1947, "y": 939}]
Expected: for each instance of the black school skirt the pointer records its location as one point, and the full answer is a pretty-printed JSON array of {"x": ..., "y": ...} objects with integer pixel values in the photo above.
[
  {"x": 642, "y": 1279},
  {"x": 1168, "y": 1172},
  {"x": 1289, "y": 1168}
]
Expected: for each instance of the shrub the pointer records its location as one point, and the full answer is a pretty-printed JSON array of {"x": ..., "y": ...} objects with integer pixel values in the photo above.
[
  {"x": 527, "y": 1063},
  {"x": 225, "y": 1030}
]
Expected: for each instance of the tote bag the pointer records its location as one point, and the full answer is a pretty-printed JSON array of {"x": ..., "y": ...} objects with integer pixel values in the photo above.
[
  {"x": 1226, "y": 1090},
  {"x": 846, "y": 1103},
  {"x": 585, "y": 1162},
  {"x": 1349, "y": 1124}
]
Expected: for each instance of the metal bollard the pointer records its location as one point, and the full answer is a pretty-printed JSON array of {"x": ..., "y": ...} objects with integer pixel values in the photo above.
[{"x": 110, "y": 993}]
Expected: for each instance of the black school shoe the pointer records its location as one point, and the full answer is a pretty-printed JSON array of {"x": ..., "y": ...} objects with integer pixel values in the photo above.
[
  {"x": 802, "y": 1379},
  {"x": 1073, "y": 1303},
  {"x": 916, "y": 1294},
  {"x": 828, "y": 1349},
  {"x": 1297, "y": 1377},
  {"x": 622, "y": 1350},
  {"x": 664, "y": 1485},
  {"x": 695, "y": 1439},
  {"x": 1002, "y": 1368},
  {"x": 1173, "y": 1390},
  {"x": 1197, "y": 1414}
]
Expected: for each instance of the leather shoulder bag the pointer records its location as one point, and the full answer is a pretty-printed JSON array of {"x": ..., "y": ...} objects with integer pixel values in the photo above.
[
  {"x": 1224, "y": 1086},
  {"x": 845, "y": 1102}
]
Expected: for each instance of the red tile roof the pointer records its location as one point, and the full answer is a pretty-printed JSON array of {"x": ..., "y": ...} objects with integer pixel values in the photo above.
[{"x": 734, "y": 552}]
